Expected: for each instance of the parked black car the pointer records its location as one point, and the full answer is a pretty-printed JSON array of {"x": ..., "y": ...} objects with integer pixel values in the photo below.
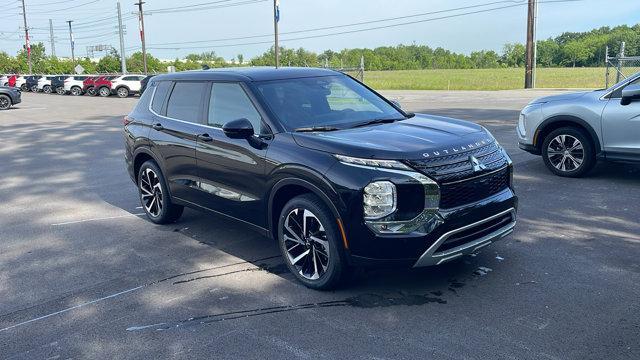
[
  {"x": 9, "y": 96},
  {"x": 57, "y": 84},
  {"x": 32, "y": 83},
  {"x": 338, "y": 174},
  {"x": 144, "y": 82}
]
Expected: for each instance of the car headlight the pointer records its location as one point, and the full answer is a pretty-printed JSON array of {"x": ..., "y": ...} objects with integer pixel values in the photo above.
[
  {"x": 388, "y": 164},
  {"x": 379, "y": 199},
  {"x": 522, "y": 125}
]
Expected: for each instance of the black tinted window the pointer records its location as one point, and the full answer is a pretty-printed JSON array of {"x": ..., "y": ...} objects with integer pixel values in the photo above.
[
  {"x": 229, "y": 102},
  {"x": 185, "y": 101},
  {"x": 618, "y": 93},
  {"x": 162, "y": 88}
]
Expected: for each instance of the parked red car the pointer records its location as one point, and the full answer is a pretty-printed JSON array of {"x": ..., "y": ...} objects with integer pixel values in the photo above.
[
  {"x": 12, "y": 80},
  {"x": 102, "y": 85},
  {"x": 88, "y": 85}
]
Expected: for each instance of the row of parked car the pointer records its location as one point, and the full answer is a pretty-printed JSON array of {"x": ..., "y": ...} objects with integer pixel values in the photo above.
[{"x": 103, "y": 85}]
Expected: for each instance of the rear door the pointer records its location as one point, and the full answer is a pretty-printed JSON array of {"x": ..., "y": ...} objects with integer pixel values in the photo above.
[
  {"x": 175, "y": 125},
  {"x": 232, "y": 170},
  {"x": 621, "y": 126}
]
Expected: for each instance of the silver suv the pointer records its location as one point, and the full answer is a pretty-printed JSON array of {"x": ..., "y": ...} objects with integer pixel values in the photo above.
[{"x": 571, "y": 131}]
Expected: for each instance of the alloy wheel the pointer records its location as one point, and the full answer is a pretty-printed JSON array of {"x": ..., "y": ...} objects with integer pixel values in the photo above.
[
  {"x": 76, "y": 91},
  {"x": 5, "y": 103},
  {"x": 47, "y": 89},
  {"x": 60, "y": 90},
  {"x": 151, "y": 192},
  {"x": 306, "y": 243},
  {"x": 123, "y": 93},
  {"x": 104, "y": 92},
  {"x": 566, "y": 153}
]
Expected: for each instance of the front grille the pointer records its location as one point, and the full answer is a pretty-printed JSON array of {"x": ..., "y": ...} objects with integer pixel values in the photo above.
[
  {"x": 466, "y": 192},
  {"x": 459, "y": 183},
  {"x": 475, "y": 233}
]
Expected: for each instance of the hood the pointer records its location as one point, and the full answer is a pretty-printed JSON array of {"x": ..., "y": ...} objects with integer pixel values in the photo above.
[
  {"x": 563, "y": 97},
  {"x": 401, "y": 140}
]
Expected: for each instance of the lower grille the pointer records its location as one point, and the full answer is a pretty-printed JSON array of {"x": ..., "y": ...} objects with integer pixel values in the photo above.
[
  {"x": 475, "y": 233},
  {"x": 457, "y": 194}
]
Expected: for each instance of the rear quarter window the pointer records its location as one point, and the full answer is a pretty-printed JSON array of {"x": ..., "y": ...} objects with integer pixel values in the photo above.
[{"x": 159, "y": 91}]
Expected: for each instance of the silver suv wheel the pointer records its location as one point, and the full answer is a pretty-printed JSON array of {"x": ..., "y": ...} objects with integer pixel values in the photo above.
[{"x": 565, "y": 152}]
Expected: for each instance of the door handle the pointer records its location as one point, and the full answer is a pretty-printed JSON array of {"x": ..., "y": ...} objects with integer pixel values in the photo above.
[
  {"x": 158, "y": 127},
  {"x": 205, "y": 137}
]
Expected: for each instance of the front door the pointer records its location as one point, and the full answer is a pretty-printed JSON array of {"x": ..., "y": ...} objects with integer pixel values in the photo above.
[
  {"x": 621, "y": 127},
  {"x": 232, "y": 170}
]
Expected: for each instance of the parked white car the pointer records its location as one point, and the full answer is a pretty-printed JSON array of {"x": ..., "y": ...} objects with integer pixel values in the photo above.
[
  {"x": 125, "y": 85},
  {"x": 4, "y": 80},
  {"x": 73, "y": 84},
  {"x": 21, "y": 81},
  {"x": 44, "y": 84}
]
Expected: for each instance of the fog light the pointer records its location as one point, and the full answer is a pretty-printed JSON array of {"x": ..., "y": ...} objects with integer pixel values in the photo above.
[{"x": 379, "y": 199}]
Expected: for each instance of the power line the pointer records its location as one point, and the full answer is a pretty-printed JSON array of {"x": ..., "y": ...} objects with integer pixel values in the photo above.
[
  {"x": 188, "y": 9},
  {"x": 152, "y": 46}
]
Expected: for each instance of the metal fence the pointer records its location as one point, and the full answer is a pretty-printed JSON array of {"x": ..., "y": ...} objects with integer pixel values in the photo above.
[
  {"x": 356, "y": 72},
  {"x": 620, "y": 67}
]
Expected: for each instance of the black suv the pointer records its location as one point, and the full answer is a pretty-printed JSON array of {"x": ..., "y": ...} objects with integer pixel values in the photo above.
[
  {"x": 9, "y": 96},
  {"x": 336, "y": 173}
]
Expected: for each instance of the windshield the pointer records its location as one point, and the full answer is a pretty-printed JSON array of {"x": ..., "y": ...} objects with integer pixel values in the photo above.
[
  {"x": 327, "y": 101},
  {"x": 626, "y": 80}
]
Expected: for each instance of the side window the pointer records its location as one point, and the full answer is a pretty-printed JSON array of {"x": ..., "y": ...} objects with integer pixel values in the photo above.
[
  {"x": 162, "y": 89},
  {"x": 229, "y": 102},
  {"x": 185, "y": 101},
  {"x": 130, "y": 78},
  {"x": 618, "y": 93}
]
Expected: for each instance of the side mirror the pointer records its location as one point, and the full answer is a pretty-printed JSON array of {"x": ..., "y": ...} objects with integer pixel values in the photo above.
[
  {"x": 630, "y": 93},
  {"x": 238, "y": 129}
]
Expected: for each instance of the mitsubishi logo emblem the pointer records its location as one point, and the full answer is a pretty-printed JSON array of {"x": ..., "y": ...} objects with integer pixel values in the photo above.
[{"x": 476, "y": 164}]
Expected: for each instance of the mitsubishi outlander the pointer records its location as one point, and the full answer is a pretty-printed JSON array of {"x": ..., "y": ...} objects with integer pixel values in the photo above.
[{"x": 337, "y": 174}]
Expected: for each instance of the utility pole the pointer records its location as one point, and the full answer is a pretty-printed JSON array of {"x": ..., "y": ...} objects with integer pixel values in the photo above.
[
  {"x": 276, "y": 20},
  {"x": 530, "y": 56},
  {"x": 123, "y": 59},
  {"x": 141, "y": 21},
  {"x": 53, "y": 42},
  {"x": 26, "y": 36},
  {"x": 73, "y": 54}
]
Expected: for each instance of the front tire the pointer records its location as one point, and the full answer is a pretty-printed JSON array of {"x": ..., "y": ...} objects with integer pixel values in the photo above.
[
  {"x": 91, "y": 91},
  {"x": 46, "y": 89},
  {"x": 568, "y": 152},
  {"x": 154, "y": 195},
  {"x": 5, "y": 102},
  {"x": 310, "y": 243},
  {"x": 60, "y": 90},
  {"x": 34, "y": 88}
]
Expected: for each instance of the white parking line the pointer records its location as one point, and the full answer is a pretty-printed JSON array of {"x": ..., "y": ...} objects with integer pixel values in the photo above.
[
  {"x": 72, "y": 308},
  {"x": 96, "y": 219}
]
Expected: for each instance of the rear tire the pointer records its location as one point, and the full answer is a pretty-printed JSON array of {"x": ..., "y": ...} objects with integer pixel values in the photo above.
[
  {"x": 5, "y": 102},
  {"x": 46, "y": 89},
  {"x": 104, "y": 91},
  {"x": 310, "y": 242},
  {"x": 568, "y": 152},
  {"x": 60, "y": 90},
  {"x": 154, "y": 195},
  {"x": 23, "y": 87},
  {"x": 123, "y": 92},
  {"x": 76, "y": 91},
  {"x": 91, "y": 91},
  {"x": 34, "y": 88}
]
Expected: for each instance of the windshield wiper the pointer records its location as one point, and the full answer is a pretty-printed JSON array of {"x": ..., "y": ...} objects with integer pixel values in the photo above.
[
  {"x": 377, "y": 121},
  {"x": 316, "y": 128}
]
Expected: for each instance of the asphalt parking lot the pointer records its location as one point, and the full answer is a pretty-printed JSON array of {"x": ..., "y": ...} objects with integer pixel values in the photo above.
[{"x": 84, "y": 275}]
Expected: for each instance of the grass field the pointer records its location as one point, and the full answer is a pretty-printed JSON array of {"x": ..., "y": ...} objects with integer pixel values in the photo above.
[{"x": 483, "y": 79}]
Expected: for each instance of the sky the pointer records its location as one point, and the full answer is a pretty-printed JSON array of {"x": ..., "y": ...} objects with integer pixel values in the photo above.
[{"x": 171, "y": 34}]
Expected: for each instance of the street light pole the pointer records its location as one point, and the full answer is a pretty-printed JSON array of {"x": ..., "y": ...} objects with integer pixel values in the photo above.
[
  {"x": 73, "y": 54},
  {"x": 123, "y": 61},
  {"x": 144, "y": 49}
]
